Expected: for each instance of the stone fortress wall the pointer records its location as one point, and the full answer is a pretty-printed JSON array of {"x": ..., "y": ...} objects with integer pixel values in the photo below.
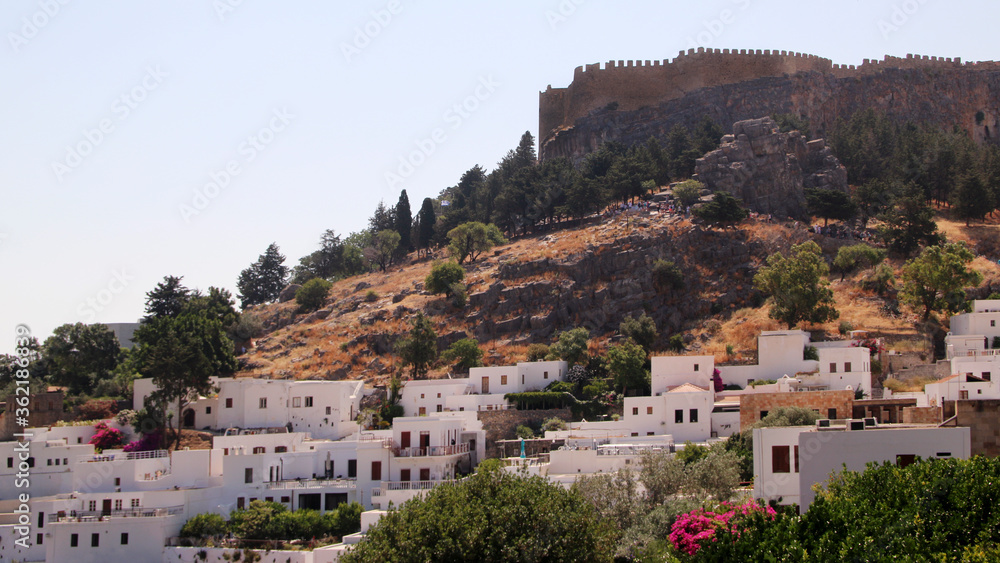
[{"x": 637, "y": 84}]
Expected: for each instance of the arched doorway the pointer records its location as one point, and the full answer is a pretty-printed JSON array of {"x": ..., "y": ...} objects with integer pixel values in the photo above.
[{"x": 188, "y": 418}]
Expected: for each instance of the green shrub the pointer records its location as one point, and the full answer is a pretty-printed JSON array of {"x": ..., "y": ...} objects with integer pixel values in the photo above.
[
  {"x": 666, "y": 275},
  {"x": 810, "y": 353},
  {"x": 465, "y": 354},
  {"x": 205, "y": 525},
  {"x": 459, "y": 295},
  {"x": 371, "y": 296},
  {"x": 537, "y": 352},
  {"x": 443, "y": 276},
  {"x": 676, "y": 343},
  {"x": 553, "y": 424},
  {"x": 312, "y": 295},
  {"x": 524, "y": 432},
  {"x": 534, "y": 400},
  {"x": 845, "y": 327}
]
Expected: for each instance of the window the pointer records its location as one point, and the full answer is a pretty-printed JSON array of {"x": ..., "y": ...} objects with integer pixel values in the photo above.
[
  {"x": 65, "y": 461},
  {"x": 309, "y": 401},
  {"x": 796, "y": 452},
  {"x": 31, "y": 462},
  {"x": 296, "y": 402},
  {"x": 352, "y": 468},
  {"x": 38, "y": 539},
  {"x": 847, "y": 366},
  {"x": 649, "y": 433},
  {"x": 118, "y": 481},
  {"x": 225, "y": 451},
  {"x": 248, "y": 475},
  {"x": 963, "y": 394},
  {"x": 48, "y": 461},
  {"x": 74, "y": 540},
  {"x": 905, "y": 459},
  {"x": 286, "y": 500},
  {"x": 421, "y": 395},
  {"x": 944, "y": 454},
  {"x": 241, "y": 503},
  {"x": 679, "y": 416},
  {"x": 328, "y": 411},
  {"x": 987, "y": 376},
  {"x": 425, "y": 474},
  {"x": 649, "y": 410},
  {"x": 422, "y": 411},
  {"x": 522, "y": 379},
  {"x": 440, "y": 408},
  {"x": 503, "y": 380},
  {"x": 439, "y": 395},
  {"x": 269, "y": 499},
  {"x": 57, "y": 461},
  {"x": 635, "y": 433},
  {"x": 833, "y": 367},
  {"x": 993, "y": 323},
  {"x": 693, "y": 415},
  {"x": 404, "y": 475},
  {"x": 545, "y": 375},
  {"x": 124, "y": 538},
  {"x": 376, "y": 471},
  {"x": 696, "y": 367},
  {"x": 831, "y": 413},
  {"x": 262, "y": 402},
  {"x": 118, "y": 504},
  {"x": 259, "y": 449},
  {"x": 95, "y": 540},
  {"x": 92, "y": 506},
  {"x": 635, "y": 411},
  {"x": 208, "y": 410},
  {"x": 135, "y": 503},
  {"x": 780, "y": 459},
  {"x": 229, "y": 402},
  {"x": 280, "y": 449},
  {"x": 10, "y": 462}
]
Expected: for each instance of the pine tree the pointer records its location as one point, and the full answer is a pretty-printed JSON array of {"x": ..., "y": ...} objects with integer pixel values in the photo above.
[
  {"x": 426, "y": 219},
  {"x": 404, "y": 223},
  {"x": 264, "y": 279}
]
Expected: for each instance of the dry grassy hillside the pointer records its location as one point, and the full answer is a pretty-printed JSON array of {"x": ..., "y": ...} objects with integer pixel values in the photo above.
[{"x": 529, "y": 290}]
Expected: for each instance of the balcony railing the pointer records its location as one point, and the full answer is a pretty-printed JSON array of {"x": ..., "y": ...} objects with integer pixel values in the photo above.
[
  {"x": 407, "y": 486},
  {"x": 123, "y": 456},
  {"x": 311, "y": 483},
  {"x": 457, "y": 449},
  {"x": 98, "y": 515}
]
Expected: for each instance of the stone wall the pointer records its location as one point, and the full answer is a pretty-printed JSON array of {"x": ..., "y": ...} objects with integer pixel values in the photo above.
[
  {"x": 44, "y": 409},
  {"x": 500, "y": 425},
  {"x": 983, "y": 420},
  {"x": 752, "y": 404},
  {"x": 922, "y": 415},
  {"x": 729, "y": 87}
]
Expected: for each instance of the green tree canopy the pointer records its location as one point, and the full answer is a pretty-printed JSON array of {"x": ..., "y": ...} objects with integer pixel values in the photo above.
[
  {"x": 909, "y": 222},
  {"x": 856, "y": 257},
  {"x": 571, "y": 346},
  {"x": 465, "y": 353},
  {"x": 830, "y": 204},
  {"x": 404, "y": 222},
  {"x": 494, "y": 515},
  {"x": 724, "y": 210},
  {"x": 312, "y": 295},
  {"x": 79, "y": 356},
  {"x": 797, "y": 286},
  {"x": 471, "y": 239},
  {"x": 264, "y": 279},
  {"x": 688, "y": 192},
  {"x": 383, "y": 248},
  {"x": 972, "y": 199},
  {"x": 443, "y": 276},
  {"x": 419, "y": 349},
  {"x": 642, "y": 331},
  {"x": 938, "y": 273},
  {"x": 167, "y": 298},
  {"x": 627, "y": 365},
  {"x": 426, "y": 220}
]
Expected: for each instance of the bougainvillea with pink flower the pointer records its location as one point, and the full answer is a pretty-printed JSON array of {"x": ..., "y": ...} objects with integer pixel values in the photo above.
[
  {"x": 691, "y": 530},
  {"x": 106, "y": 437}
]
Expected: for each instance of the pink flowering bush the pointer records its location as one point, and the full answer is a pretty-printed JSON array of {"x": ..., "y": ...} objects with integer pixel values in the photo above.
[
  {"x": 106, "y": 437},
  {"x": 149, "y": 442},
  {"x": 691, "y": 530}
]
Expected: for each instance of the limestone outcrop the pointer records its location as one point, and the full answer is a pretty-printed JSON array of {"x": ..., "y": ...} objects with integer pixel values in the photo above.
[{"x": 769, "y": 169}]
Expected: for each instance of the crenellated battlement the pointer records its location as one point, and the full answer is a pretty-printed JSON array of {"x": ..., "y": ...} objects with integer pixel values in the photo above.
[{"x": 632, "y": 84}]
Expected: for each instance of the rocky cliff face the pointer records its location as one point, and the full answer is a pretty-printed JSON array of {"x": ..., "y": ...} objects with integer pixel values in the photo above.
[
  {"x": 937, "y": 96},
  {"x": 770, "y": 170}
]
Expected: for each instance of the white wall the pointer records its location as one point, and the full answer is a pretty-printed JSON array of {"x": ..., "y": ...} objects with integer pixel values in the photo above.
[{"x": 671, "y": 371}]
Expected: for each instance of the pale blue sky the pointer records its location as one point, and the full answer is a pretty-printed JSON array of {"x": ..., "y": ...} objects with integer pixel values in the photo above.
[{"x": 185, "y": 89}]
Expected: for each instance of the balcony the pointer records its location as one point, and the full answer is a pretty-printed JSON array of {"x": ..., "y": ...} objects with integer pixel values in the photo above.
[
  {"x": 312, "y": 484},
  {"x": 457, "y": 449},
  {"x": 100, "y": 515},
  {"x": 128, "y": 456},
  {"x": 389, "y": 486}
]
